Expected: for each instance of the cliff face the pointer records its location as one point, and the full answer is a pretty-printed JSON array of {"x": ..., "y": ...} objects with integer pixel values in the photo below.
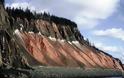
[
  {"x": 61, "y": 45},
  {"x": 10, "y": 52},
  {"x": 52, "y": 41},
  {"x": 3, "y": 17}
]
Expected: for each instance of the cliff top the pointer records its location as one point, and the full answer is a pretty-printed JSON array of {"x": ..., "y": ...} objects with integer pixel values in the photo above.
[{"x": 15, "y": 12}]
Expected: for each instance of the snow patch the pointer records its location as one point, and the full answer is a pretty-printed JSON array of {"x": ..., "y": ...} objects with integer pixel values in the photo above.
[
  {"x": 52, "y": 38},
  {"x": 61, "y": 40},
  {"x": 69, "y": 42},
  {"x": 17, "y": 31},
  {"x": 39, "y": 33},
  {"x": 75, "y": 42},
  {"x": 19, "y": 35},
  {"x": 21, "y": 27},
  {"x": 31, "y": 32}
]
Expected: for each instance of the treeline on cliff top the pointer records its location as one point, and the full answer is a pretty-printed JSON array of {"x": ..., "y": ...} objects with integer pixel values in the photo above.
[{"x": 18, "y": 12}]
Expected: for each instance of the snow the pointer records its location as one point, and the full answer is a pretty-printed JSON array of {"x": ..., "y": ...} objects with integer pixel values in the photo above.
[
  {"x": 75, "y": 42},
  {"x": 39, "y": 33},
  {"x": 31, "y": 32},
  {"x": 19, "y": 35},
  {"x": 69, "y": 42},
  {"x": 52, "y": 38},
  {"x": 61, "y": 40},
  {"x": 21, "y": 27},
  {"x": 17, "y": 31}
]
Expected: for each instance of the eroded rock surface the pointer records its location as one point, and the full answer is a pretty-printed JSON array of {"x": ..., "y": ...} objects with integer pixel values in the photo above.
[{"x": 27, "y": 42}]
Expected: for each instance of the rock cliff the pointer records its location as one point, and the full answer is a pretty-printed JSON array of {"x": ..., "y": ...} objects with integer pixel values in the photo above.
[
  {"x": 10, "y": 52},
  {"x": 28, "y": 39},
  {"x": 60, "y": 45}
]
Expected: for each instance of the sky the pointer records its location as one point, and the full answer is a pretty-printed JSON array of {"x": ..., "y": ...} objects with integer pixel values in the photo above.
[{"x": 101, "y": 21}]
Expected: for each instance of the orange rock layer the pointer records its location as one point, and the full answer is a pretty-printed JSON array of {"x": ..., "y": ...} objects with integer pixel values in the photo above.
[{"x": 66, "y": 54}]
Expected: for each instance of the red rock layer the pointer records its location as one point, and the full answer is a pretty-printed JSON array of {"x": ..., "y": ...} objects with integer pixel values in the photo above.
[{"x": 62, "y": 53}]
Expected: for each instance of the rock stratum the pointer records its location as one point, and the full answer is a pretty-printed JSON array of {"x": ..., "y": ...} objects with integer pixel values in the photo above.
[
  {"x": 58, "y": 50},
  {"x": 28, "y": 40}
]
